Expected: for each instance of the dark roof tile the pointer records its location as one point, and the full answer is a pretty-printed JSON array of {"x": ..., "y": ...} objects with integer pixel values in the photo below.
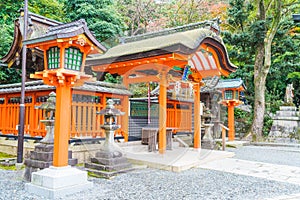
[
  {"x": 97, "y": 86},
  {"x": 230, "y": 83}
]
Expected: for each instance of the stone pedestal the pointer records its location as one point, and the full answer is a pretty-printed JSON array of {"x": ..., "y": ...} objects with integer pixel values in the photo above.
[
  {"x": 109, "y": 161},
  {"x": 41, "y": 158},
  {"x": 285, "y": 124},
  {"x": 108, "y": 164},
  {"x": 207, "y": 140},
  {"x": 55, "y": 182}
]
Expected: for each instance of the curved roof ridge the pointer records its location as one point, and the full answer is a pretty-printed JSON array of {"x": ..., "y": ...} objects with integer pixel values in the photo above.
[
  {"x": 37, "y": 23},
  {"x": 231, "y": 83},
  {"x": 190, "y": 39},
  {"x": 204, "y": 24},
  {"x": 65, "y": 31},
  {"x": 43, "y": 19}
]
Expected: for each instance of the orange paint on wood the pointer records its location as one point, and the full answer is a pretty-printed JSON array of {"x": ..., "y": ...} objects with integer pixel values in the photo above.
[
  {"x": 125, "y": 120},
  {"x": 74, "y": 132},
  {"x": 84, "y": 118},
  {"x": 94, "y": 128},
  {"x": 162, "y": 112},
  {"x": 231, "y": 132},
  {"x": 197, "y": 117},
  {"x": 133, "y": 63},
  {"x": 89, "y": 119},
  {"x": 62, "y": 126}
]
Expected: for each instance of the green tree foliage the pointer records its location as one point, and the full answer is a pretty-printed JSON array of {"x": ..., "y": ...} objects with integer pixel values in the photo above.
[
  {"x": 52, "y": 9},
  {"x": 141, "y": 16},
  {"x": 285, "y": 60},
  {"x": 246, "y": 33},
  {"x": 182, "y": 12},
  {"x": 294, "y": 77},
  {"x": 9, "y": 12},
  {"x": 112, "y": 79},
  {"x": 101, "y": 18},
  {"x": 240, "y": 47}
]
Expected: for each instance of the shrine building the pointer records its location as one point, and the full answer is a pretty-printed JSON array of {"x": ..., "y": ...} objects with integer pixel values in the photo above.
[{"x": 178, "y": 59}]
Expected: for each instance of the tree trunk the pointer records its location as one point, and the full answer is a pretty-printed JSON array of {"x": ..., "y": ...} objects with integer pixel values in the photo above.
[
  {"x": 261, "y": 68},
  {"x": 259, "y": 90}
]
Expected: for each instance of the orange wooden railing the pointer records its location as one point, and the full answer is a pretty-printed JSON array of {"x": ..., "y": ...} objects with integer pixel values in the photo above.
[
  {"x": 84, "y": 121},
  {"x": 179, "y": 116}
]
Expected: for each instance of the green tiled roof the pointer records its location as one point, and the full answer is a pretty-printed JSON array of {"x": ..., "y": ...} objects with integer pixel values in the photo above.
[
  {"x": 65, "y": 31},
  {"x": 187, "y": 40},
  {"x": 230, "y": 83}
]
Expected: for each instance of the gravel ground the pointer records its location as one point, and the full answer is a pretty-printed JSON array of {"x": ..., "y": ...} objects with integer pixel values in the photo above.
[
  {"x": 274, "y": 155},
  {"x": 158, "y": 184}
]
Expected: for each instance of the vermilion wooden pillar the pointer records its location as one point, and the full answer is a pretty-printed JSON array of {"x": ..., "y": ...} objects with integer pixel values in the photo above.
[
  {"x": 231, "y": 132},
  {"x": 125, "y": 120},
  {"x": 197, "y": 117},
  {"x": 162, "y": 111},
  {"x": 62, "y": 130}
]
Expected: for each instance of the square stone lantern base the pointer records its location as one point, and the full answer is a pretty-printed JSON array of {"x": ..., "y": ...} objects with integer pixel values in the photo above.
[{"x": 56, "y": 182}]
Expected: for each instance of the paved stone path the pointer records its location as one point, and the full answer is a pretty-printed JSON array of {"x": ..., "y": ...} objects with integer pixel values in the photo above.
[{"x": 283, "y": 173}]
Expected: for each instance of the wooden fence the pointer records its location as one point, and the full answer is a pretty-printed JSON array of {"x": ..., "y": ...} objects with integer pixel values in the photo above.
[
  {"x": 84, "y": 121},
  {"x": 179, "y": 116}
]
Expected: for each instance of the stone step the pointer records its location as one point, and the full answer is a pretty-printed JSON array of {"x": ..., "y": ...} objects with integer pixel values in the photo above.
[
  {"x": 288, "y": 108},
  {"x": 45, "y": 155},
  {"x": 103, "y": 154},
  {"x": 72, "y": 161},
  {"x": 109, "y": 161},
  {"x": 37, "y": 163},
  {"x": 45, "y": 164},
  {"x": 41, "y": 155},
  {"x": 44, "y": 148},
  {"x": 107, "y": 167},
  {"x": 110, "y": 174},
  {"x": 282, "y": 118}
]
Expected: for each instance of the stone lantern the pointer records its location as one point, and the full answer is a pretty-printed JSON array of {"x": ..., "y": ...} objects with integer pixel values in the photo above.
[
  {"x": 110, "y": 114},
  {"x": 65, "y": 48},
  {"x": 110, "y": 160},
  {"x": 49, "y": 107}
]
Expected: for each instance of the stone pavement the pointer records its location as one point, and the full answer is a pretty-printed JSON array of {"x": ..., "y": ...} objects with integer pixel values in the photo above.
[
  {"x": 176, "y": 160},
  {"x": 282, "y": 173}
]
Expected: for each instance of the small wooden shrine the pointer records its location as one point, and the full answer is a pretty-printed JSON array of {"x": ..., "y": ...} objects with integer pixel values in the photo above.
[{"x": 186, "y": 54}]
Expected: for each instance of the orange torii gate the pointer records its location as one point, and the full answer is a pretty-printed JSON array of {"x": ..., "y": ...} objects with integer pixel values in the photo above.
[{"x": 187, "y": 53}]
